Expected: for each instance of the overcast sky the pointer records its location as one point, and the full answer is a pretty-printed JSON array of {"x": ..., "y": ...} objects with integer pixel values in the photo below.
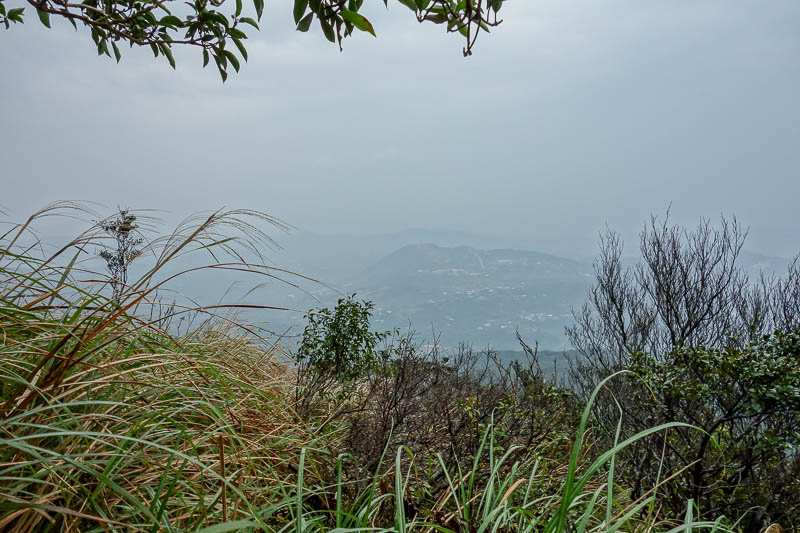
[{"x": 570, "y": 115}]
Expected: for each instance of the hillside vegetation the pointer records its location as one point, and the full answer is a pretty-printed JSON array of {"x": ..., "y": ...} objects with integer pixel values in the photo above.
[{"x": 120, "y": 412}]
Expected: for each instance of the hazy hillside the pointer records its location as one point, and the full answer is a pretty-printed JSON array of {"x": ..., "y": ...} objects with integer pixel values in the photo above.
[
  {"x": 337, "y": 258},
  {"x": 473, "y": 295},
  {"x": 459, "y": 287},
  {"x": 462, "y": 293}
]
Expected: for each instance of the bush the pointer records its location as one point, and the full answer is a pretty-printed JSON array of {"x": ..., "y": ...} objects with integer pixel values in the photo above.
[
  {"x": 747, "y": 402},
  {"x": 689, "y": 319},
  {"x": 440, "y": 404},
  {"x": 337, "y": 348}
]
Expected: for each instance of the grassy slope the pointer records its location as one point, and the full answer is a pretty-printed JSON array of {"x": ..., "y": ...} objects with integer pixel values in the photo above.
[{"x": 108, "y": 422}]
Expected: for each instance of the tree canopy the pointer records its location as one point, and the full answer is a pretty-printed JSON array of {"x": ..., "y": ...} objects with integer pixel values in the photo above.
[{"x": 217, "y": 27}]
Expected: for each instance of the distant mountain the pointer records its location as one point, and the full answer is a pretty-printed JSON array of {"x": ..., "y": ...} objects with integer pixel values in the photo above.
[
  {"x": 448, "y": 264},
  {"x": 476, "y": 296},
  {"x": 456, "y": 288},
  {"x": 336, "y": 258}
]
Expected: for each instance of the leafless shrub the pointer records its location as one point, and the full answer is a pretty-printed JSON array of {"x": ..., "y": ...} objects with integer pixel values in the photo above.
[
  {"x": 440, "y": 402},
  {"x": 687, "y": 299}
]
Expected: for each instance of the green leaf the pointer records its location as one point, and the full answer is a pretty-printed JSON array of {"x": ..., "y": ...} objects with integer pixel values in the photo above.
[
  {"x": 220, "y": 58},
  {"x": 248, "y": 20},
  {"x": 259, "y": 5},
  {"x": 436, "y": 18},
  {"x": 117, "y": 54},
  {"x": 305, "y": 22},
  {"x": 219, "y": 17},
  {"x": 327, "y": 29},
  {"x": 165, "y": 49},
  {"x": 238, "y": 7},
  {"x": 299, "y": 9},
  {"x": 205, "y": 57},
  {"x": 171, "y": 21},
  {"x": 15, "y": 15},
  {"x": 237, "y": 33},
  {"x": 315, "y": 5},
  {"x": 232, "y": 58},
  {"x": 339, "y": 31},
  {"x": 44, "y": 17},
  {"x": 225, "y": 527},
  {"x": 358, "y": 20},
  {"x": 410, "y": 4},
  {"x": 240, "y": 46}
]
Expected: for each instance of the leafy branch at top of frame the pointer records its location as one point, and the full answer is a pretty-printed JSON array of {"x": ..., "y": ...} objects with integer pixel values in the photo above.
[
  {"x": 338, "y": 18},
  {"x": 218, "y": 27}
]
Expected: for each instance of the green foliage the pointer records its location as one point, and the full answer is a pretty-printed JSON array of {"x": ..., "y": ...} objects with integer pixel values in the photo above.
[
  {"x": 440, "y": 403},
  {"x": 110, "y": 423},
  {"x": 747, "y": 402},
  {"x": 338, "y": 18},
  {"x": 506, "y": 490},
  {"x": 218, "y": 27},
  {"x": 691, "y": 322},
  {"x": 339, "y": 342},
  {"x": 337, "y": 349},
  {"x": 12, "y": 15}
]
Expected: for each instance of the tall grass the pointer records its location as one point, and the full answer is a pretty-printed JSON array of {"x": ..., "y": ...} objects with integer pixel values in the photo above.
[{"x": 111, "y": 421}]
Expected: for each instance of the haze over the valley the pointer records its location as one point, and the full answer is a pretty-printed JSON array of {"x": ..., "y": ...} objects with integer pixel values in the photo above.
[{"x": 455, "y": 286}]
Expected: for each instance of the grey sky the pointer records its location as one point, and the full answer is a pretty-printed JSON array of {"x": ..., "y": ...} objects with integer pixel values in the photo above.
[{"x": 570, "y": 115}]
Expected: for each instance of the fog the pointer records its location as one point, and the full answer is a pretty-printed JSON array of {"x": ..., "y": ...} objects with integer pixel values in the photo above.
[{"x": 569, "y": 116}]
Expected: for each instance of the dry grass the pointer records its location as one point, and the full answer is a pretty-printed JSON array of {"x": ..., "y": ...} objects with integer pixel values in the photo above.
[{"x": 110, "y": 421}]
